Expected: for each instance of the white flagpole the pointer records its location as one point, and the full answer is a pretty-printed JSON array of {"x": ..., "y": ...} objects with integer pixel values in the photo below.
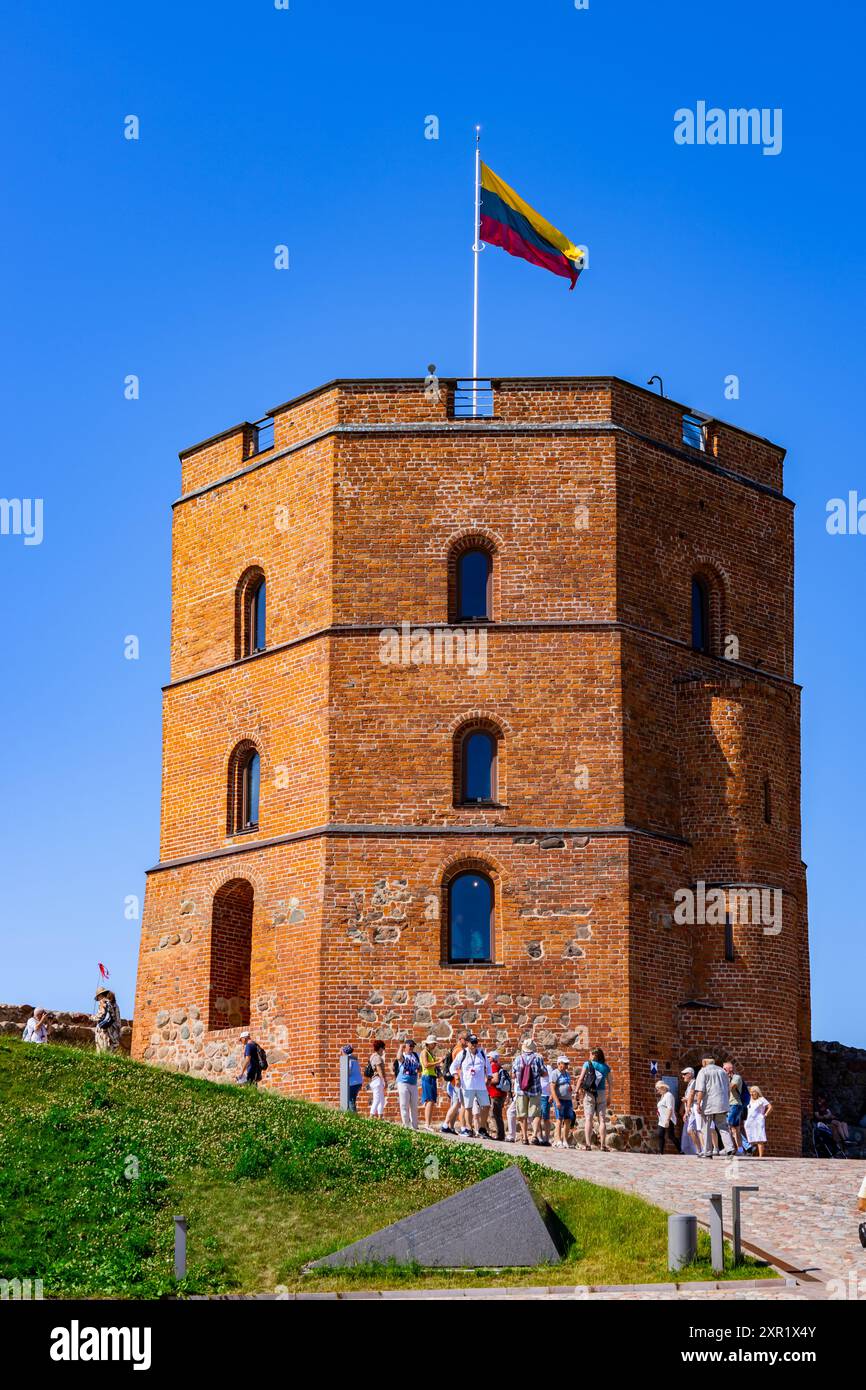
[{"x": 476, "y": 247}]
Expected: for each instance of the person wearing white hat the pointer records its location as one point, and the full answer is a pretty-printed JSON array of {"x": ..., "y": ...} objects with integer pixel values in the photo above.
[
  {"x": 693, "y": 1136},
  {"x": 251, "y": 1072},
  {"x": 36, "y": 1027},
  {"x": 562, "y": 1086}
]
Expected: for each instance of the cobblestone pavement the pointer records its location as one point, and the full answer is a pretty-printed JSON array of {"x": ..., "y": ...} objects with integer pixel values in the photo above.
[{"x": 805, "y": 1212}]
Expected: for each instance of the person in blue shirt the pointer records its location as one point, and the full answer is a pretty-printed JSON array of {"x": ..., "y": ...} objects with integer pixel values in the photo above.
[
  {"x": 251, "y": 1071},
  {"x": 408, "y": 1076},
  {"x": 356, "y": 1079}
]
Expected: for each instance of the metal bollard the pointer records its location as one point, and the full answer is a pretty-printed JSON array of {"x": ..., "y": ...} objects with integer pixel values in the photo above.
[
  {"x": 179, "y": 1247},
  {"x": 717, "y": 1235},
  {"x": 682, "y": 1239},
  {"x": 736, "y": 1220}
]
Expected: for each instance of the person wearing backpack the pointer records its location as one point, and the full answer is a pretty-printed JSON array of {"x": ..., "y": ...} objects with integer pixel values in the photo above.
[
  {"x": 473, "y": 1069},
  {"x": 526, "y": 1070},
  {"x": 255, "y": 1061},
  {"x": 375, "y": 1074},
  {"x": 408, "y": 1066},
  {"x": 594, "y": 1083},
  {"x": 499, "y": 1090}
]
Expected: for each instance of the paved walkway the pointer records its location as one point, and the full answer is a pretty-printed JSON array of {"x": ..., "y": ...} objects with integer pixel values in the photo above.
[{"x": 805, "y": 1212}]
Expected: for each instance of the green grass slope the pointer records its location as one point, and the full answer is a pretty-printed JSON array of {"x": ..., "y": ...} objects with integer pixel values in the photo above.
[{"x": 97, "y": 1153}]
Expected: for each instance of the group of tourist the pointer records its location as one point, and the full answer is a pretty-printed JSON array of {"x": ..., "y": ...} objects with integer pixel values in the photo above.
[
  {"x": 533, "y": 1098},
  {"x": 487, "y": 1096},
  {"x": 719, "y": 1112}
]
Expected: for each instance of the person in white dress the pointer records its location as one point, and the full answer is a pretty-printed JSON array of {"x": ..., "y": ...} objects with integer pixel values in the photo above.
[
  {"x": 756, "y": 1119},
  {"x": 378, "y": 1080}
]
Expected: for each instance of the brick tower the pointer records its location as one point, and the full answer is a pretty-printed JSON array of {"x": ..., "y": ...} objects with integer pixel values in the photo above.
[{"x": 461, "y": 709}]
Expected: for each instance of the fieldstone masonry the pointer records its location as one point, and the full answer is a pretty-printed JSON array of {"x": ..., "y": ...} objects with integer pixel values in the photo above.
[{"x": 631, "y": 765}]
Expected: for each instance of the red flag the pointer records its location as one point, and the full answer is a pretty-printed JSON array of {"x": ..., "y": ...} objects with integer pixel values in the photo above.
[{"x": 102, "y": 970}]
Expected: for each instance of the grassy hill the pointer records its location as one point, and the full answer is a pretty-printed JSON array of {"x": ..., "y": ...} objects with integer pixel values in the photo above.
[{"x": 97, "y": 1153}]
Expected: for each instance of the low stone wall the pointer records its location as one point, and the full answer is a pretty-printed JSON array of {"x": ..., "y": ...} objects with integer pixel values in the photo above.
[
  {"x": 839, "y": 1078},
  {"x": 74, "y": 1028}
]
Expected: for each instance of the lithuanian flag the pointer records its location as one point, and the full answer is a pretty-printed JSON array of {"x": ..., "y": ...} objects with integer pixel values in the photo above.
[{"x": 509, "y": 222}]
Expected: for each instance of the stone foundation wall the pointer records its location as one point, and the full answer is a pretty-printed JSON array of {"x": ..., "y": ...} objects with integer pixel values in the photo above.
[{"x": 839, "y": 1076}]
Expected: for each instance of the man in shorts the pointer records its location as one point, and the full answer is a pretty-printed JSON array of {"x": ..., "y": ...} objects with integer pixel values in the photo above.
[
  {"x": 526, "y": 1073},
  {"x": 473, "y": 1069},
  {"x": 736, "y": 1108},
  {"x": 562, "y": 1087}
]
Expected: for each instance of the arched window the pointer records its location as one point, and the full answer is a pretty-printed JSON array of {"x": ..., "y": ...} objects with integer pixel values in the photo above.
[
  {"x": 474, "y": 584},
  {"x": 251, "y": 778},
  {"x": 470, "y": 918},
  {"x": 478, "y": 763},
  {"x": 244, "y": 784},
  {"x": 700, "y": 615},
  {"x": 250, "y": 614},
  {"x": 257, "y": 618},
  {"x": 478, "y": 767},
  {"x": 230, "y": 955}
]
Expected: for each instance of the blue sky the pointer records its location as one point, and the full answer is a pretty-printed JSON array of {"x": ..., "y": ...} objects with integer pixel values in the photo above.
[{"x": 306, "y": 127}]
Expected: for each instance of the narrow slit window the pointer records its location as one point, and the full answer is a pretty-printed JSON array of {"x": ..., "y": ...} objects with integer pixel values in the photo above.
[
  {"x": 243, "y": 790},
  {"x": 258, "y": 602},
  {"x": 474, "y": 572},
  {"x": 700, "y": 615},
  {"x": 479, "y": 767},
  {"x": 250, "y": 792}
]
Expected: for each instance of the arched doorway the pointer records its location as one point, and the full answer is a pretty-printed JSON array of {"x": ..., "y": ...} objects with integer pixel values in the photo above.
[{"x": 231, "y": 942}]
